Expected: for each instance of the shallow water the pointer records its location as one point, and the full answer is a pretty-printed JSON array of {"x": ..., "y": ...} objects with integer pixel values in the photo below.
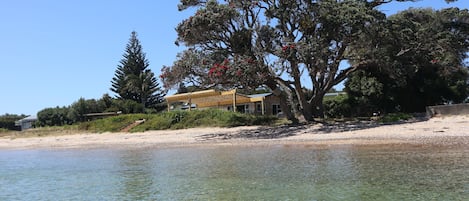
[{"x": 237, "y": 173}]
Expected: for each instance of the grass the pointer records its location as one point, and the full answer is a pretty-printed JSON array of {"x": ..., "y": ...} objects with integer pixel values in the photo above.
[
  {"x": 177, "y": 120},
  {"x": 43, "y": 131}
]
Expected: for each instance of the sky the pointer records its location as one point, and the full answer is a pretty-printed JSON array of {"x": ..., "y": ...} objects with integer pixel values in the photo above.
[{"x": 53, "y": 52}]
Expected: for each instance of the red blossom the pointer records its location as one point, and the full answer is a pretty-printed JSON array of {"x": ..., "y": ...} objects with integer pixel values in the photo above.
[{"x": 218, "y": 69}]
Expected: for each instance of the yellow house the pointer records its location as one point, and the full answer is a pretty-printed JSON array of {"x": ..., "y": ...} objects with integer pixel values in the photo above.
[{"x": 265, "y": 104}]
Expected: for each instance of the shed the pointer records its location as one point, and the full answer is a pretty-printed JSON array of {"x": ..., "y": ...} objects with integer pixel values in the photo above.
[{"x": 26, "y": 123}]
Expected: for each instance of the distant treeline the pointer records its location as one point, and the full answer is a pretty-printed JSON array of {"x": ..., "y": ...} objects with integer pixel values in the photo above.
[
  {"x": 7, "y": 121},
  {"x": 76, "y": 112}
]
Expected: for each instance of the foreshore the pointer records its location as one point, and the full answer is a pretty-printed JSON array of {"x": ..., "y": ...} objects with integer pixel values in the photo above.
[{"x": 445, "y": 131}]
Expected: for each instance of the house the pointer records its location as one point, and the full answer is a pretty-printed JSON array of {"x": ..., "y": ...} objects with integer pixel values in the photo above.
[
  {"x": 265, "y": 104},
  {"x": 26, "y": 123}
]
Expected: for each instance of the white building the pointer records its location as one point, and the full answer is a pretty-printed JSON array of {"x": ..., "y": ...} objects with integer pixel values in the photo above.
[{"x": 27, "y": 122}]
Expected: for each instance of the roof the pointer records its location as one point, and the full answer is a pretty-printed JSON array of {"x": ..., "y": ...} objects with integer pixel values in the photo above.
[
  {"x": 210, "y": 98},
  {"x": 27, "y": 119},
  {"x": 259, "y": 95}
]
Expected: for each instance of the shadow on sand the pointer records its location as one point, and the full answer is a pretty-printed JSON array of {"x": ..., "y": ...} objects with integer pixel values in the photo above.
[{"x": 311, "y": 128}]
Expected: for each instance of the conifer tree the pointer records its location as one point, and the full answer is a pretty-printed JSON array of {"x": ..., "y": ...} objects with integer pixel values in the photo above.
[{"x": 133, "y": 80}]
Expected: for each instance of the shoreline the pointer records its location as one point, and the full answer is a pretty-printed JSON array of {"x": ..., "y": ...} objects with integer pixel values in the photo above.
[{"x": 437, "y": 131}]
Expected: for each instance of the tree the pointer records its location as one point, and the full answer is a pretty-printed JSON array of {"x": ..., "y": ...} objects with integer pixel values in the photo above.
[
  {"x": 133, "y": 80},
  {"x": 422, "y": 62},
  {"x": 275, "y": 43},
  {"x": 7, "y": 121},
  {"x": 57, "y": 116}
]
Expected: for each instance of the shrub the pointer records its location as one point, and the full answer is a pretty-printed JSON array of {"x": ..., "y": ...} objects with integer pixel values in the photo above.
[
  {"x": 111, "y": 124},
  {"x": 337, "y": 107},
  {"x": 54, "y": 117},
  {"x": 177, "y": 120},
  {"x": 395, "y": 117},
  {"x": 7, "y": 121}
]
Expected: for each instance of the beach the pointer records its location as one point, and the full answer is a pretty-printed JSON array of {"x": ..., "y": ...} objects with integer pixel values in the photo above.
[{"x": 446, "y": 130}]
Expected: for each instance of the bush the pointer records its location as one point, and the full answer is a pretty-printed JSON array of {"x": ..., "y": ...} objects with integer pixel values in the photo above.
[
  {"x": 177, "y": 120},
  {"x": 337, "y": 107},
  {"x": 111, "y": 124},
  {"x": 395, "y": 117},
  {"x": 7, "y": 121},
  {"x": 54, "y": 117}
]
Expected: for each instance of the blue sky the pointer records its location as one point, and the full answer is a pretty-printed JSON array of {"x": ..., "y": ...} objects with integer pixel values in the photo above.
[{"x": 53, "y": 52}]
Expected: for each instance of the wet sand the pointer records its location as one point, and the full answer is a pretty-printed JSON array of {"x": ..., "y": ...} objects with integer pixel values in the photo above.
[{"x": 447, "y": 131}]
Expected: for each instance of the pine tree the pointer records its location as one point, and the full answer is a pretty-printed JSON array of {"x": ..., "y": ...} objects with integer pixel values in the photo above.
[{"x": 133, "y": 80}]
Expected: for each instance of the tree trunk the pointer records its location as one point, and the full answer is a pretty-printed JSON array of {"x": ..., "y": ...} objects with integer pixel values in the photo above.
[
  {"x": 308, "y": 113},
  {"x": 317, "y": 106},
  {"x": 301, "y": 97}
]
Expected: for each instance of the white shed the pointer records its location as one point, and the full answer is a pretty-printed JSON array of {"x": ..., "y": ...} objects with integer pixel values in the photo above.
[{"x": 27, "y": 122}]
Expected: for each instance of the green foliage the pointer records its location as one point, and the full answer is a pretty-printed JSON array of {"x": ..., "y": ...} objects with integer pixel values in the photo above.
[
  {"x": 421, "y": 63},
  {"x": 7, "y": 121},
  {"x": 76, "y": 112},
  {"x": 78, "y": 109},
  {"x": 112, "y": 124},
  {"x": 127, "y": 106},
  {"x": 337, "y": 106},
  {"x": 273, "y": 43},
  {"x": 133, "y": 80},
  {"x": 57, "y": 116},
  {"x": 4, "y": 130},
  {"x": 395, "y": 117},
  {"x": 177, "y": 120}
]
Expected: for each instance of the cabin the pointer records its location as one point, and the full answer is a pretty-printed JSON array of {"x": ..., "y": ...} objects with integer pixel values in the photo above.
[{"x": 261, "y": 104}]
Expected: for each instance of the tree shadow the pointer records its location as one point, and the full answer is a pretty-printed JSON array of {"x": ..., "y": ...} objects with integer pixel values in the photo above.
[
  {"x": 259, "y": 133},
  {"x": 317, "y": 127}
]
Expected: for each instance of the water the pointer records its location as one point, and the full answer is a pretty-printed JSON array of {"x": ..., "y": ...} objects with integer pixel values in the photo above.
[{"x": 238, "y": 173}]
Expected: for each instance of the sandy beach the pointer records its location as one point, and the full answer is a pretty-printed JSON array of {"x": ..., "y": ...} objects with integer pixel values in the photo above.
[{"x": 447, "y": 131}]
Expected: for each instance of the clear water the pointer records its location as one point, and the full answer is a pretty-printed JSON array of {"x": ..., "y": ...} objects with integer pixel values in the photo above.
[{"x": 238, "y": 173}]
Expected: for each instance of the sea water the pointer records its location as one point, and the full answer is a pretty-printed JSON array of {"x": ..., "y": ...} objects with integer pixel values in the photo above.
[{"x": 280, "y": 172}]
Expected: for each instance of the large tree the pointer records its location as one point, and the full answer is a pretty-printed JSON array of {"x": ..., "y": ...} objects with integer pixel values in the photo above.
[
  {"x": 276, "y": 43},
  {"x": 422, "y": 62},
  {"x": 133, "y": 80}
]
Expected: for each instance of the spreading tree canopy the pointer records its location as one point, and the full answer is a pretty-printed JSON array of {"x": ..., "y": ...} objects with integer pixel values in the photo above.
[
  {"x": 276, "y": 43},
  {"x": 133, "y": 80},
  {"x": 422, "y": 62}
]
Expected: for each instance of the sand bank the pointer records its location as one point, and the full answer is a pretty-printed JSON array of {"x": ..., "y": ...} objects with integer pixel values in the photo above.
[{"x": 449, "y": 130}]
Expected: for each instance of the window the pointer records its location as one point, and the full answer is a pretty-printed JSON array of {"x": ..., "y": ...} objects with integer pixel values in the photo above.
[{"x": 276, "y": 109}]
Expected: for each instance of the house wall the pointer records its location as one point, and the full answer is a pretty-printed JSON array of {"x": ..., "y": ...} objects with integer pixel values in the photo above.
[
  {"x": 26, "y": 125},
  {"x": 269, "y": 102},
  {"x": 252, "y": 108}
]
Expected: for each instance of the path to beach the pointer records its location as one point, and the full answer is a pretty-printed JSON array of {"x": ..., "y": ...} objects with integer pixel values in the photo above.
[{"x": 449, "y": 130}]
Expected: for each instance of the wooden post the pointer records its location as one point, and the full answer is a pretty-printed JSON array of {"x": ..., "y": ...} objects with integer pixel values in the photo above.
[
  {"x": 168, "y": 105},
  {"x": 263, "y": 106},
  {"x": 234, "y": 100},
  {"x": 190, "y": 104}
]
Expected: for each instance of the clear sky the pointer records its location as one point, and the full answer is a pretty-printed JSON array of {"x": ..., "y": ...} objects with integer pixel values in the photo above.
[{"x": 52, "y": 52}]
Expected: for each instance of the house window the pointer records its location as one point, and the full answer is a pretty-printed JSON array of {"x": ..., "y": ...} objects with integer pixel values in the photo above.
[
  {"x": 258, "y": 107},
  {"x": 276, "y": 109}
]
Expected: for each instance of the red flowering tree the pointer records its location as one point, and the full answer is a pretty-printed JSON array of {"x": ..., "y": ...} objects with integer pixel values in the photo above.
[{"x": 276, "y": 43}]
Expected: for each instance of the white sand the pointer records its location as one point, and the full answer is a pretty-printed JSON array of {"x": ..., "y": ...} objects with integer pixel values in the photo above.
[{"x": 450, "y": 130}]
